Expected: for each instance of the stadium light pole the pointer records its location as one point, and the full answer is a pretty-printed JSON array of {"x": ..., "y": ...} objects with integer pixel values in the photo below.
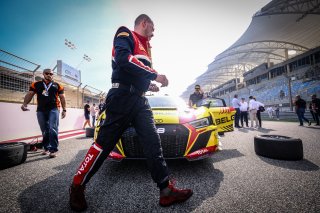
[
  {"x": 290, "y": 78},
  {"x": 72, "y": 46},
  {"x": 84, "y": 58},
  {"x": 69, "y": 44}
]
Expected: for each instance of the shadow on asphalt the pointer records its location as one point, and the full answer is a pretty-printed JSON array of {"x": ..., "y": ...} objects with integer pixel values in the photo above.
[
  {"x": 125, "y": 187},
  {"x": 51, "y": 194},
  {"x": 262, "y": 130},
  {"x": 226, "y": 154},
  {"x": 83, "y": 138},
  {"x": 302, "y": 165}
]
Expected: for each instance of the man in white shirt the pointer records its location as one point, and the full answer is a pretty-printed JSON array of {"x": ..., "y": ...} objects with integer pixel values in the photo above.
[
  {"x": 244, "y": 112},
  {"x": 253, "y": 106},
  {"x": 270, "y": 112},
  {"x": 93, "y": 114},
  {"x": 236, "y": 105}
]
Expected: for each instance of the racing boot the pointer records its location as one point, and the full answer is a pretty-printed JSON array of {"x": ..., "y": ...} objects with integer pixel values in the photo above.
[
  {"x": 172, "y": 195},
  {"x": 77, "y": 199}
]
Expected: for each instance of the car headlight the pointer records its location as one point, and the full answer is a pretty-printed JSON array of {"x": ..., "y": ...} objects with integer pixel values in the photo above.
[{"x": 203, "y": 122}]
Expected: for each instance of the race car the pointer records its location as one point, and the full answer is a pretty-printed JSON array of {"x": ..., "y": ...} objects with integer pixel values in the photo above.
[
  {"x": 185, "y": 133},
  {"x": 222, "y": 115}
]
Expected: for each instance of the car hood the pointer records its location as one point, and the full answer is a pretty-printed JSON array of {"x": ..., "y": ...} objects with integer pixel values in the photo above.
[{"x": 178, "y": 116}]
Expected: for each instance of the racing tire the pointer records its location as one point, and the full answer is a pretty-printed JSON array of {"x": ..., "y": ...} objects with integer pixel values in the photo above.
[
  {"x": 90, "y": 132},
  {"x": 278, "y": 147},
  {"x": 12, "y": 154}
]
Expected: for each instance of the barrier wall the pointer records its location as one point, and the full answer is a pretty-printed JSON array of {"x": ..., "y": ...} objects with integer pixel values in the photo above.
[{"x": 18, "y": 124}]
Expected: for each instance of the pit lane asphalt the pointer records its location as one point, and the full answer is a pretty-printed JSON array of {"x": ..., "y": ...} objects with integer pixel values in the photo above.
[{"x": 232, "y": 180}]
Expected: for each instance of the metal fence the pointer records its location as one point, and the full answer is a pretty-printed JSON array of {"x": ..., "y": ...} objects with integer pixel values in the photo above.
[{"x": 17, "y": 74}]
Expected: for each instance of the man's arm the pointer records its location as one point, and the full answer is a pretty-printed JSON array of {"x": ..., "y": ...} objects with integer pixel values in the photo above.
[
  {"x": 63, "y": 104},
  {"x": 27, "y": 100}
]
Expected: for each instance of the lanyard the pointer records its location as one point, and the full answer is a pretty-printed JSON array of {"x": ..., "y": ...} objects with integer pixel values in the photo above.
[{"x": 47, "y": 87}]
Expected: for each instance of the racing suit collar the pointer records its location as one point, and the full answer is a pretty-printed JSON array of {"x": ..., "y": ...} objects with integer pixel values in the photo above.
[{"x": 143, "y": 40}]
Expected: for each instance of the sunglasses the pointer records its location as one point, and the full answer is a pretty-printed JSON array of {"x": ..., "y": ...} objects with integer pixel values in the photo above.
[
  {"x": 48, "y": 73},
  {"x": 197, "y": 88}
]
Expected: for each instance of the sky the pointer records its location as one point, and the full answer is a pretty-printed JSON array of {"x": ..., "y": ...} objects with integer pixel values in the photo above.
[{"x": 188, "y": 35}]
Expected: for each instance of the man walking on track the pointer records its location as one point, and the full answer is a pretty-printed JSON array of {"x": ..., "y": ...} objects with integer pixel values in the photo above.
[
  {"x": 125, "y": 103},
  {"x": 47, "y": 92}
]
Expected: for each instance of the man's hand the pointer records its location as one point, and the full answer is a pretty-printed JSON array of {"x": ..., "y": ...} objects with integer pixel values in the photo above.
[
  {"x": 153, "y": 88},
  {"x": 63, "y": 114},
  {"x": 162, "y": 79},
  {"x": 24, "y": 108}
]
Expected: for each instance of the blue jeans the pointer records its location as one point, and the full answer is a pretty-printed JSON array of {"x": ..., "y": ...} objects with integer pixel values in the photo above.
[
  {"x": 300, "y": 113},
  {"x": 49, "y": 123}
]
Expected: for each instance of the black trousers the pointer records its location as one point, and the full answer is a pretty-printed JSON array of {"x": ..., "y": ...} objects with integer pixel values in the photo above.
[
  {"x": 259, "y": 117},
  {"x": 123, "y": 108},
  {"x": 315, "y": 116},
  {"x": 244, "y": 116},
  {"x": 237, "y": 117}
]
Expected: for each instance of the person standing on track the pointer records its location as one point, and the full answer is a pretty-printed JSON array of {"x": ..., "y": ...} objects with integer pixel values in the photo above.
[
  {"x": 315, "y": 108},
  {"x": 86, "y": 112},
  {"x": 244, "y": 112},
  {"x": 125, "y": 103},
  {"x": 48, "y": 109},
  {"x": 196, "y": 96},
  {"x": 236, "y": 105},
  {"x": 300, "y": 106}
]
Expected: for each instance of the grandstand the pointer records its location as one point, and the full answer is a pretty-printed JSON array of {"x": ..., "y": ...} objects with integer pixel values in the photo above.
[
  {"x": 276, "y": 58},
  {"x": 272, "y": 86}
]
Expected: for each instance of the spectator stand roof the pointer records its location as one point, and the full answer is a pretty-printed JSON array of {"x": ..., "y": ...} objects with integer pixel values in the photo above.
[{"x": 279, "y": 31}]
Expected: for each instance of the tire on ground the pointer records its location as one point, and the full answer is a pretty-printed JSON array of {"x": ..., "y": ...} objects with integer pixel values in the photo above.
[
  {"x": 90, "y": 132},
  {"x": 12, "y": 154},
  {"x": 278, "y": 147}
]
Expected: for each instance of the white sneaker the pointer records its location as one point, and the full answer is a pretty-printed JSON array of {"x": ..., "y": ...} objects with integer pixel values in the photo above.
[
  {"x": 53, "y": 154},
  {"x": 45, "y": 152}
]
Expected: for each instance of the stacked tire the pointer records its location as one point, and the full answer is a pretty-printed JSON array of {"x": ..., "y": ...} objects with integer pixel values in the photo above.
[
  {"x": 12, "y": 154},
  {"x": 278, "y": 147},
  {"x": 90, "y": 132}
]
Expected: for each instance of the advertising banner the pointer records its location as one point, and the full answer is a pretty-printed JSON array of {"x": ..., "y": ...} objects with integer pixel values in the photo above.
[{"x": 68, "y": 73}]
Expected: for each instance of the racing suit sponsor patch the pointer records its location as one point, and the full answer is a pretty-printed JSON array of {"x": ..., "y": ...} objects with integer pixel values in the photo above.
[
  {"x": 123, "y": 34},
  {"x": 86, "y": 165}
]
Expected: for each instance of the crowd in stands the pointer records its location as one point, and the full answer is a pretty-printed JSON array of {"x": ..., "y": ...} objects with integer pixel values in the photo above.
[{"x": 277, "y": 88}]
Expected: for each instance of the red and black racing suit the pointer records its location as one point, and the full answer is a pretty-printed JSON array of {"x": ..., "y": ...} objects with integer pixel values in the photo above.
[{"x": 125, "y": 104}]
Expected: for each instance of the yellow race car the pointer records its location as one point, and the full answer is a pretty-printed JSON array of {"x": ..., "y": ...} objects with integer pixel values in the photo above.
[
  {"x": 222, "y": 115},
  {"x": 185, "y": 133}
]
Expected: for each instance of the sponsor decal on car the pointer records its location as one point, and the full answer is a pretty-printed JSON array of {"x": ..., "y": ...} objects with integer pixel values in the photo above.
[
  {"x": 224, "y": 120},
  {"x": 161, "y": 130}
]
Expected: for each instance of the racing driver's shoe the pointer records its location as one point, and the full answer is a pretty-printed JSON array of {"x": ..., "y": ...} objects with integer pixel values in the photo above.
[
  {"x": 77, "y": 200},
  {"x": 172, "y": 195}
]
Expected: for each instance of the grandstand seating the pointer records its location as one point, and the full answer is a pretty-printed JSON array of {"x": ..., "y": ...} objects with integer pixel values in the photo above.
[{"x": 304, "y": 79}]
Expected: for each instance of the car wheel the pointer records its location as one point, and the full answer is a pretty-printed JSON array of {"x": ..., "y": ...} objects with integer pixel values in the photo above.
[
  {"x": 90, "y": 132},
  {"x": 278, "y": 147},
  {"x": 12, "y": 154}
]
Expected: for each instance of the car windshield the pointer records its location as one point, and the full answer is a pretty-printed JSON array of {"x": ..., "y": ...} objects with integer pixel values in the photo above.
[
  {"x": 166, "y": 102},
  {"x": 213, "y": 102}
]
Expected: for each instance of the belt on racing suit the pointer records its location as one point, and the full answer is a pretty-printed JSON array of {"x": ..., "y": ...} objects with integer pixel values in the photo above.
[{"x": 128, "y": 88}]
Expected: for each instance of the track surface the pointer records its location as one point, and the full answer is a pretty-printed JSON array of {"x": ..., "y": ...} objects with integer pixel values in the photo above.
[{"x": 232, "y": 180}]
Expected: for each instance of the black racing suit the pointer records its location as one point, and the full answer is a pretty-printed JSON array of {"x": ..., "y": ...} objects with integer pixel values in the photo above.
[{"x": 125, "y": 104}]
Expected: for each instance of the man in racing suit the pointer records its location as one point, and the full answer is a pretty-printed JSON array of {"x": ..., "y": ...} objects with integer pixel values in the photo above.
[{"x": 125, "y": 103}]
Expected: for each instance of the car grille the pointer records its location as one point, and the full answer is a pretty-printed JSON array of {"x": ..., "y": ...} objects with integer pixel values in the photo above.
[{"x": 173, "y": 142}]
